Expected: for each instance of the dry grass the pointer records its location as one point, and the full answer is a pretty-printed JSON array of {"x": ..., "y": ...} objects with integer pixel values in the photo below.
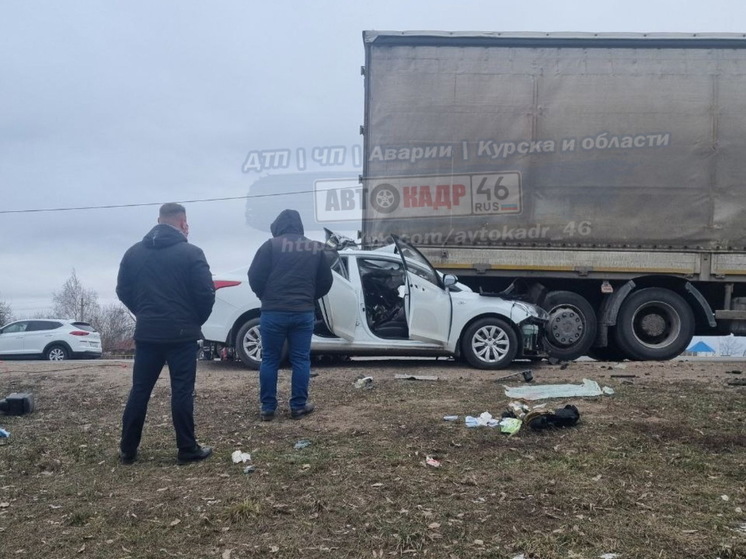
[{"x": 646, "y": 473}]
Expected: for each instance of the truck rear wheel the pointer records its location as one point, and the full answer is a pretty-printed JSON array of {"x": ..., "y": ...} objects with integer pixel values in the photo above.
[
  {"x": 572, "y": 325},
  {"x": 654, "y": 324}
]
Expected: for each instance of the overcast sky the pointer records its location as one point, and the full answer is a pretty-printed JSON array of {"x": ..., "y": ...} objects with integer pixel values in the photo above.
[{"x": 134, "y": 103}]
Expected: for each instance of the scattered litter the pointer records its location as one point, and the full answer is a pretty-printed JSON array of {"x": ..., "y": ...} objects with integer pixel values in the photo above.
[
  {"x": 725, "y": 497},
  {"x": 239, "y": 457},
  {"x": 741, "y": 528},
  {"x": 527, "y": 375},
  {"x": 620, "y": 366},
  {"x": 301, "y": 444},
  {"x": 563, "y": 417},
  {"x": 733, "y": 372},
  {"x": 485, "y": 419},
  {"x": 249, "y": 469},
  {"x": 18, "y": 403},
  {"x": 450, "y": 418},
  {"x": 510, "y": 425},
  {"x": 415, "y": 377},
  {"x": 364, "y": 382},
  {"x": 608, "y": 556},
  {"x": 430, "y": 461},
  {"x": 541, "y": 391},
  {"x": 623, "y": 376},
  {"x": 4, "y": 434},
  {"x": 518, "y": 409}
]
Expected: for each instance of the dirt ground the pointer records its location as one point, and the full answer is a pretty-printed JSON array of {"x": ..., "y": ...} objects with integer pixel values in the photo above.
[{"x": 654, "y": 470}]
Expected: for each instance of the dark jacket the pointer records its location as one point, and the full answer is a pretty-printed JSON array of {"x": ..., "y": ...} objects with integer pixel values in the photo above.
[
  {"x": 289, "y": 272},
  {"x": 166, "y": 283}
]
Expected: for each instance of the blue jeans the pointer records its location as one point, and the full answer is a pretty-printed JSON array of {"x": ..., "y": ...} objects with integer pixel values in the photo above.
[
  {"x": 276, "y": 327},
  {"x": 182, "y": 367}
]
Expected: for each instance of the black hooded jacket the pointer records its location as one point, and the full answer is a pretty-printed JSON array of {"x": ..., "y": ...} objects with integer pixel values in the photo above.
[
  {"x": 166, "y": 283},
  {"x": 289, "y": 272}
]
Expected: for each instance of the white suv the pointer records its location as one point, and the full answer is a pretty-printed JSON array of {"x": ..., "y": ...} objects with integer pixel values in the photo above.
[{"x": 49, "y": 338}]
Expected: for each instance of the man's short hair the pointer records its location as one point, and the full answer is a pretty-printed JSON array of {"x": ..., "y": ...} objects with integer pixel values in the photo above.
[{"x": 171, "y": 210}]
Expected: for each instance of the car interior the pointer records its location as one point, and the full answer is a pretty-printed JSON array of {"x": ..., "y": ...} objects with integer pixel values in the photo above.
[{"x": 382, "y": 281}]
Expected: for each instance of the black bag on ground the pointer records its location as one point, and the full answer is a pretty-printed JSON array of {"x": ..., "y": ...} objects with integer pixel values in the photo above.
[{"x": 563, "y": 417}]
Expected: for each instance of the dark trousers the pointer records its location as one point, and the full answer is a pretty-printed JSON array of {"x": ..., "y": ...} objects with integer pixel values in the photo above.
[
  {"x": 149, "y": 361},
  {"x": 297, "y": 328}
]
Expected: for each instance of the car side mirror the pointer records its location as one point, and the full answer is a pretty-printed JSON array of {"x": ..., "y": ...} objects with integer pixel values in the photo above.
[{"x": 449, "y": 280}]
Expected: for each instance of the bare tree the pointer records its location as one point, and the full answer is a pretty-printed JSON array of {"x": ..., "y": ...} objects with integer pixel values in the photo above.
[
  {"x": 730, "y": 346},
  {"x": 116, "y": 326},
  {"x": 75, "y": 301},
  {"x": 6, "y": 313}
]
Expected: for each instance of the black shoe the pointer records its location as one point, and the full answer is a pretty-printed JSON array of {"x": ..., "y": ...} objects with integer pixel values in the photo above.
[
  {"x": 194, "y": 455},
  {"x": 126, "y": 459},
  {"x": 266, "y": 415},
  {"x": 302, "y": 412}
]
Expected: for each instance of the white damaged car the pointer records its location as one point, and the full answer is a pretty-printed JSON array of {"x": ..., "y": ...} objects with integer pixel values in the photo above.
[{"x": 388, "y": 301}]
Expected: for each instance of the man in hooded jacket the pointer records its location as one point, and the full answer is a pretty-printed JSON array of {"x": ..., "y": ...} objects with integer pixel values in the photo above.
[
  {"x": 288, "y": 273},
  {"x": 166, "y": 283}
]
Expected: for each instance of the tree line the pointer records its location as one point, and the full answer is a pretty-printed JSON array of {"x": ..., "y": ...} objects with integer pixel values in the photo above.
[{"x": 113, "y": 321}]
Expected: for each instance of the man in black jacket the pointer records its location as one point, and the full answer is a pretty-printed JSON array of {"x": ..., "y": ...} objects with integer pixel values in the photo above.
[
  {"x": 288, "y": 273},
  {"x": 166, "y": 283}
]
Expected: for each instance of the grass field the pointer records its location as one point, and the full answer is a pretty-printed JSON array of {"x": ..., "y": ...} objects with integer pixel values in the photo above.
[{"x": 657, "y": 470}]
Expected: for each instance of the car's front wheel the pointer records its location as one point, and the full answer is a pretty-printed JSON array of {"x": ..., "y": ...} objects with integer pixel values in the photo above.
[
  {"x": 489, "y": 343},
  {"x": 56, "y": 353}
]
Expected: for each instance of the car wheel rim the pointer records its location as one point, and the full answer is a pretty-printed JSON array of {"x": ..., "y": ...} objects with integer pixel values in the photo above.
[
  {"x": 56, "y": 355},
  {"x": 252, "y": 344},
  {"x": 490, "y": 344}
]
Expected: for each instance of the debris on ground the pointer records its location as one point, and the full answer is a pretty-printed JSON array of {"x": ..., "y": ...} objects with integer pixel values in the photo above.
[
  {"x": 510, "y": 425},
  {"x": 623, "y": 376},
  {"x": 239, "y": 457},
  {"x": 4, "y": 436},
  {"x": 563, "y": 417},
  {"x": 301, "y": 444},
  {"x": 542, "y": 391},
  {"x": 18, "y": 403},
  {"x": 415, "y": 377},
  {"x": 733, "y": 372},
  {"x": 517, "y": 409},
  {"x": 485, "y": 419},
  {"x": 527, "y": 375},
  {"x": 430, "y": 461},
  {"x": 450, "y": 418},
  {"x": 249, "y": 469},
  {"x": 737, "y": 382},
  {"x": 364, "y": 382}
]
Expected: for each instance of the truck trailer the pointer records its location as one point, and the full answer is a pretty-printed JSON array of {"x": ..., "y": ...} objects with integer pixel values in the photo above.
[{"x": 602, "y": 176}]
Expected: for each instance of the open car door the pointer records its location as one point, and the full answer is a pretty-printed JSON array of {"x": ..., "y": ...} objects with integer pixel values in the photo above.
[
  {"x": 428, "y": 304},
  {"x": 339, "y": 307}
]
